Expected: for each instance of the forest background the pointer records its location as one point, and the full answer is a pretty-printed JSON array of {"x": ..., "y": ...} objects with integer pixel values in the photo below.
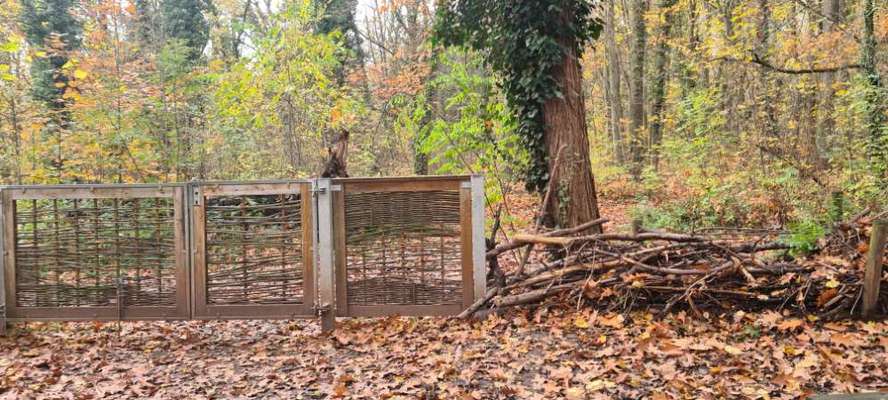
[{"x": 699, "y": 113}]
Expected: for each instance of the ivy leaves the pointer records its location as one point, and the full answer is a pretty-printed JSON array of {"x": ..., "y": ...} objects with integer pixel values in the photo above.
[{"x": 521, "y": 42}]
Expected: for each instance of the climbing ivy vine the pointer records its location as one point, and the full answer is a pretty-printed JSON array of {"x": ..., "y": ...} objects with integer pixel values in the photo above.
[{"x": 520, "y": 41}]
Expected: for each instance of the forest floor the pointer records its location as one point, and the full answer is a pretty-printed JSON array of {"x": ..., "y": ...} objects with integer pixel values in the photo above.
[{"x": 553, "y": 351}]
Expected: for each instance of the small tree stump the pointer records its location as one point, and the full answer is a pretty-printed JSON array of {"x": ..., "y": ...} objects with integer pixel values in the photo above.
[{"x": 873, "y": 274}]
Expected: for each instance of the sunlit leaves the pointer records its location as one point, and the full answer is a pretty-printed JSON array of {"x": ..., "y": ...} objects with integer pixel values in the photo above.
[{"x": 284, "y": 97}]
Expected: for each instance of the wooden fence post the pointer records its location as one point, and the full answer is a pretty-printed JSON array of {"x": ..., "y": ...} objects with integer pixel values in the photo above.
[
  {"x": 873, "y": 274},
  {"x": 326, "y": 306}
]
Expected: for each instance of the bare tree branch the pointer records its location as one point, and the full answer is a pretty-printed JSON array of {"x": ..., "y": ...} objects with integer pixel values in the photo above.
[{"x": 800, "y": 71}]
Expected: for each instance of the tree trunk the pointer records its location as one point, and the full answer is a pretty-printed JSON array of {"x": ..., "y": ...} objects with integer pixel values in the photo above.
[
  {"x": 16, "y": 140},
  {"x": 636, "y": 101},
  {"x": 421, "y": 158},
  {"x": 614, "y": 95},
  {"x": 877, "y": 143},
  {"x": 658, "y": 89},
  {"x": 573, "y": 201},
  {"x": 831, "y": 10},
  {"x": 765, "y": 98}
]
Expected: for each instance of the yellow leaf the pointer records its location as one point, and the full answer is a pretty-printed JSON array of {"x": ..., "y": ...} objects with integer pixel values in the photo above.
[
  {"x": 733, "y": 350},
  {"x": 581, "y": 322},
  {"x": 80, "y": 74},
  {"x": 832, "y": 283},
  {"x": 599, "y": 384},
  {"x": 40, "y": 53},
  {"x": 575, "y": 393}
]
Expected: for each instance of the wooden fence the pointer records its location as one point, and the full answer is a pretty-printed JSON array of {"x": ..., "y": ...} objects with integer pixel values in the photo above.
[{"x": 232, "y": 250}]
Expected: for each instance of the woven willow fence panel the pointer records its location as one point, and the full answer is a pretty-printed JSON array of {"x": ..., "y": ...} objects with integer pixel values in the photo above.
[
  {"x": 254, "y": 251},
  {"x": 403, "y": 248},
  {"x": 95, "y": 252},
  {"x": 406, "y": 246}
]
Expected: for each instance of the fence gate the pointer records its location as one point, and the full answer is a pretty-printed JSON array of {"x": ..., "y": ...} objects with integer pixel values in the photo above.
[
  {"x": 252, "y": 250},
  {"x": 94, "y": 252},
  {"x": 408, "y": 246}
]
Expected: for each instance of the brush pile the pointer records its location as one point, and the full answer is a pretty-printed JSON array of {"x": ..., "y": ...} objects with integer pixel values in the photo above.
[{"x": 660, "y": 271}]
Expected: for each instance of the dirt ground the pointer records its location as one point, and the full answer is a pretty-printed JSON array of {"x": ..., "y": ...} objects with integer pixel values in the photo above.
[{"x": 550, "y": 353}]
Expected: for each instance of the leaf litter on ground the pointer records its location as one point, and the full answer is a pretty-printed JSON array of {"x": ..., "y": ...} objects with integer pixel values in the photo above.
[{"x": 546, "y": 353}]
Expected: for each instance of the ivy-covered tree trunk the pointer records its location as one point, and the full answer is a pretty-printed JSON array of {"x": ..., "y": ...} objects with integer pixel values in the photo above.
[
  {"x": 573, "y": 201},
  {"x": 534, "y": 47}
]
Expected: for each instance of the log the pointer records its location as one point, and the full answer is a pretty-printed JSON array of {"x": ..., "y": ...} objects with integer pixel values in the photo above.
[
  {"x": 533, "y": 295},
  {"x": 642, "y": 237},
  {"x": 540, "y": 239},
  {"x": 512, "y": 245}
]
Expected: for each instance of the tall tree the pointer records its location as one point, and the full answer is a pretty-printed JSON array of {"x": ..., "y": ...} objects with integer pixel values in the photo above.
[
  {"x": 765, "y": 99},
  {"x": 51, "y": 28},
  {"x": 877, "y": 143},
  {"x": 658, "y": 87},
  {"x": 339, "y": 16},
  {"x": 614, "y": 82},
  {"x": 184, "y": 20},
  {"x": 636, "y": 86},
  {"x": 534, "y": 46},
  {"x": 832, "y": 16}
]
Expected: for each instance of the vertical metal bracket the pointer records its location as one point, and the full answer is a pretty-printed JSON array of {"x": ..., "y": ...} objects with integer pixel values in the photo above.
[
  {"x": 3, "y": 265},
  {"x": 479, "y": 247},
  {"x": 323, "y": 200},
  {"x": 188, "y": 223},
  {"x": 194, "y": 190}
]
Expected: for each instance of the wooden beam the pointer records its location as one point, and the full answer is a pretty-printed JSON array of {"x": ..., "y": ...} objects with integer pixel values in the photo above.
[{"x": 873, "y": 274}]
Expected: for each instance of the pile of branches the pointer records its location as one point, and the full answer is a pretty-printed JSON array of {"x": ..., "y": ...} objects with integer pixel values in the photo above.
[{"x": 662, "y": 271}]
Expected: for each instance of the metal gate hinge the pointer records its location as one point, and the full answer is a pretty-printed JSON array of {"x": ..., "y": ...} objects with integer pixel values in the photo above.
[
  {"x": 323, "y": 308},
  {"x": 333, "y": 188}
]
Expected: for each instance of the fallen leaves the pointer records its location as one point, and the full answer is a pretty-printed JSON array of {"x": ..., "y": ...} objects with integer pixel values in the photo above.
[
  {"x": 565, "y": 354},
  {"x": 790, "y": 324}
]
